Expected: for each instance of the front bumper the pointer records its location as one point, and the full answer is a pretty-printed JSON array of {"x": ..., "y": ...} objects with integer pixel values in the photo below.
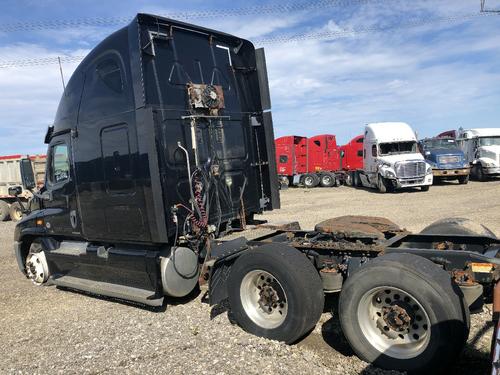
[
  {"x": 413, "y": 182},
  {"x": 492, "y": 171},
  {"x": 450, "y": 172}
]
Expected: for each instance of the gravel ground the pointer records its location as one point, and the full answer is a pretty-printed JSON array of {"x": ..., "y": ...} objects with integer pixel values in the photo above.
[{"x": 47, "y": 330}]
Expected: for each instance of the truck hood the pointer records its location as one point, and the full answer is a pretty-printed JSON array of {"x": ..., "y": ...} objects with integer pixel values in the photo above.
[
  {"x": 491, "y": 152},
  {"x": 393, "y": 159},
  {"x": 435, "y": 153}
]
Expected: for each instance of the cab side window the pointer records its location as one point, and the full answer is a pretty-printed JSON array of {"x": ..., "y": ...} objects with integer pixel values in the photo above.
[{"x": 59, "y": 164}]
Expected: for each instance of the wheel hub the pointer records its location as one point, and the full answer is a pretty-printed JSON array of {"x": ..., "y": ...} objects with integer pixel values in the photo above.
[
  {"x": 396, "y": 317},
  {"x": 394, "y": 322},
  {"x": 263, "y": 299},
  {"x": 36, "y": 268}
]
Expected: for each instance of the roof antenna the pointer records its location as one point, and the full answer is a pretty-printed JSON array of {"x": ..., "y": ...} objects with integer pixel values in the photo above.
[{"x": 62, "y": 74}]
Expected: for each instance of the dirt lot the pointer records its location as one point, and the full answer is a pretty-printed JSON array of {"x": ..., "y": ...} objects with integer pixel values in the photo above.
[{"x": 47, "y": 330}]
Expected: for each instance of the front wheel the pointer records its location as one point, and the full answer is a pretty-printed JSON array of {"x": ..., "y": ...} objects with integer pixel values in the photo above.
[
  {"x": 275, "y": 292},
  {"x": 4, "y": 211},
  {"x": 16, "y": 212},
  {"x": 402, "y": 312},
  {"x": 479, "y": 173},
  {"x": 425, "y": 188},
  {"x": 463, "y": 180},
  {"x": 381, "y": 184}
]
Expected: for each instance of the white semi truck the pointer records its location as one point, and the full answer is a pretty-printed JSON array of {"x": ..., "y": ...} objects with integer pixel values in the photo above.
[
  {"x": 10, "y": 176},
  {"x": 391, "y": 159},
  {"x": 481, "y": 148}
]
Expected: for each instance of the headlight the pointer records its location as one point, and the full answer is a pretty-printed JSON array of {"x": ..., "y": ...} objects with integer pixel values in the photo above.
[
  {"x": 429, "y": 169},
  {"x": 490, "y": 165},
  {"x": 389, "y": 174}
]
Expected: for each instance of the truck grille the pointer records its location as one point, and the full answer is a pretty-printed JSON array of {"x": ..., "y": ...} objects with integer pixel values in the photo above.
[
  {"x": 410, "y": 169},
  {"x": 449, "y": 159}
]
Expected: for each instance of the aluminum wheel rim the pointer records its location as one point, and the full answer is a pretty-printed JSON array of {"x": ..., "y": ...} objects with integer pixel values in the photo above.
[
  {"x": 308, "y": 181},
  {"x": 394, "y": 322},
  {"x": 263, "y": 299},
  {"x": 327, "y": 180},
  {"x": 35, "y": 269}
]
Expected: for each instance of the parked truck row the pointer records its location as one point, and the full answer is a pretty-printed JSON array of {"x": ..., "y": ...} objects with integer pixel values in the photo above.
[{"x": 387, "y": 157}]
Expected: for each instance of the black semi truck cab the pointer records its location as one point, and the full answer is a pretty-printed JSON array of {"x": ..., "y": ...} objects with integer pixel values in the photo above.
[
  {"x": 162, "y": 135},
  {"x": 163, "y": 143}
]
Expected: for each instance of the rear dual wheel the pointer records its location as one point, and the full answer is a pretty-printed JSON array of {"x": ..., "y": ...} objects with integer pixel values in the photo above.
[
  {"x": 328, "y": 180},
  {"x": 275, "y": 292},
  {"x": 401, "y": 311},
  {"x": 310, "y": 180}
]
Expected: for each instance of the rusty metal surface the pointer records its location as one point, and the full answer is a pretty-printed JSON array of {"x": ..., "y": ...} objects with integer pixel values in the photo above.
[
  {"x": 209, "y": 97},
  {"x": 463, "y": 277},
  {"x": 356, "y": 226},
  {"x": 496, "y": 298},
  {"x": 292, "y": 225}
]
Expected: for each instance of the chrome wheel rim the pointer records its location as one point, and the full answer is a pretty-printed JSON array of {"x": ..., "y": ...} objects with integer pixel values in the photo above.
[
  {"x": 263, "y": 299},
  {"x": 327, "y": 180},
  {"x": 36, "y": 269},
  {"x": 308, "y": 181},
  {"x": 394, "y": 322}
]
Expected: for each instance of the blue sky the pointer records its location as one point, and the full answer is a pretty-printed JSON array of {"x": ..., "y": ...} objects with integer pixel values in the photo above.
[{"x": 434, "y": 75}]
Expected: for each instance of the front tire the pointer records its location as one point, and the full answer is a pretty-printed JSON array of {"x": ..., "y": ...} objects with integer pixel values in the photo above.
[
  {"x": 463, "y": 180},
  {"x": 15, "y": 211},
  {"x": 479, "y": 173},
  {"x": 4, "y": 211},
  {"x": 275, "y": 292},
  {"x": 381, "y": 184},
  {"x": 425, "y": 188},
  {"x": 402, "y": 312}
]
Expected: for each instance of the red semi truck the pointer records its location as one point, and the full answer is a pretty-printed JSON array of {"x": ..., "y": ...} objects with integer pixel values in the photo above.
[
  {"x": 308, "y": 161},
  {"x": 352, "y": 154}
]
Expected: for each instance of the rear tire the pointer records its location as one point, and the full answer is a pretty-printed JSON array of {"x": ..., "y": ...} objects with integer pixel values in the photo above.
[
  {"x": 310, "y": 180},
  {"x": 279, "y": 278},
  {"x": 402, "y": 312},
  {"x": 4, "y": 211},
  {"x": 458, "y": 225},
  {"x": 463, "y": 180},
  {"x": 15, "y": 211},
  {"x": 327, "y": 180}
]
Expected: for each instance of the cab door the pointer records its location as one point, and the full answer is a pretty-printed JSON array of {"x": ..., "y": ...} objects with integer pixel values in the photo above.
[{"x": 60, "y": 196}]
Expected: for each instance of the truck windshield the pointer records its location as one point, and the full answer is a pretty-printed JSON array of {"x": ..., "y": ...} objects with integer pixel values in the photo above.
[
  {"x": 440, "y": 143},
  {"x": 489, "y": 141},
  {"x": 398, "y": 148}
]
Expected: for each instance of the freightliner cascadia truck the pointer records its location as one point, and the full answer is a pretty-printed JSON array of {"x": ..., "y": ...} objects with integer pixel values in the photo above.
[
  {"x": 163, "y": 143},
  {"x": 391, "y": 159}
]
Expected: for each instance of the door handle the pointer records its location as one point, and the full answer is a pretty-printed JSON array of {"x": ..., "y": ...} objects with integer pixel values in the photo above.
[{"x": 73, "y": 219}]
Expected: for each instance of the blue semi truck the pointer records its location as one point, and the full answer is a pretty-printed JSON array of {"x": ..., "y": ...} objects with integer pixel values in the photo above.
[{"x": 447, "y": 160}]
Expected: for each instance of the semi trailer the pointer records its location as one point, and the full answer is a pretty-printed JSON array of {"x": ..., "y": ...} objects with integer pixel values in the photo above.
[
  {"x": 391, "y": 159},
  {"x": 163, "y": 143},
  {"x": 10, "y": 207},
  {"x": 308, "y": 162}
]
